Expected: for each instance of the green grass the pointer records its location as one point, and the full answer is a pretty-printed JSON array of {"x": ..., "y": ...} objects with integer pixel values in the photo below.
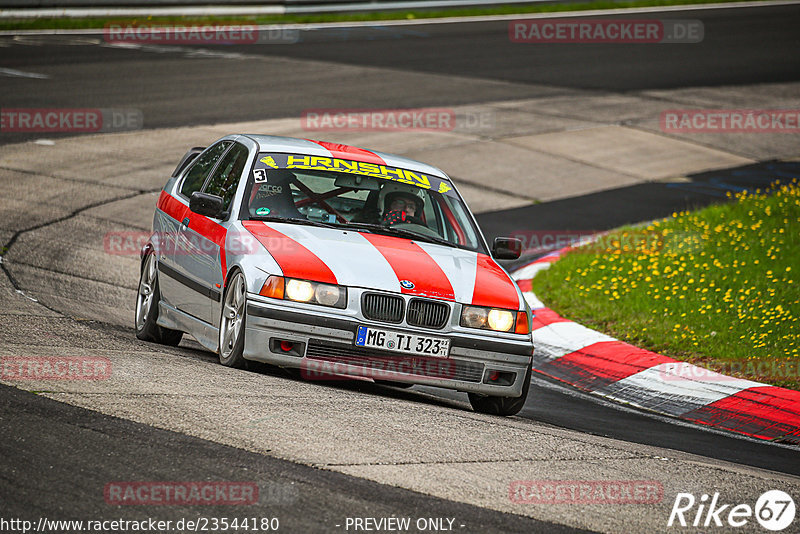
[
  {"x": 718, "y": 287},
  {"x": 87, "y": 23}
]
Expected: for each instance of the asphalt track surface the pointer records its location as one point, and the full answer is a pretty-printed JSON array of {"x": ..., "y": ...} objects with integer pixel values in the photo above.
[
  {"x": 425, "y": 65},
  {"x": 82, "y": 451},
  {"x": 606, "y": 210},
  {"x": 474, "y": 63}
]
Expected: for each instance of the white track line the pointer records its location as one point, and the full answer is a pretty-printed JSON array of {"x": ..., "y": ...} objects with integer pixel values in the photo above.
[{"x": 12, "y": 73}]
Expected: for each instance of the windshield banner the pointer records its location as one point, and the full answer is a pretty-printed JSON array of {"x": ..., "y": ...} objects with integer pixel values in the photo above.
[{"x": 373, "y": 170}]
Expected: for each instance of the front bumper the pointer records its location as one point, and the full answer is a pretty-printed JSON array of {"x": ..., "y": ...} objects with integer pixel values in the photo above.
[{"x": 324, "y": 348}]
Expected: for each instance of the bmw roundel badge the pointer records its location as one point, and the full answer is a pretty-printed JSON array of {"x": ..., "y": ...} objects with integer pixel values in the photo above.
[{"x": 407, "y": 284}]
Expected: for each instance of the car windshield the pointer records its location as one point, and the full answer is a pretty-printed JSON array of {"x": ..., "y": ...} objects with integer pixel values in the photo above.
[{"x": 360, "y": 196}]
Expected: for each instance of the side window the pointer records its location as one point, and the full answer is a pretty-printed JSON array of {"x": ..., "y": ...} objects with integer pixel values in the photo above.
[
  {"x": 197, "y": 174},
  {"x": 226, "y": 178}
]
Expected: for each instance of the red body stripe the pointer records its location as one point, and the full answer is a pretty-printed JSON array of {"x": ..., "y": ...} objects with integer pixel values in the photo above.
[
  {"x": 766, "y": 412},
  {"x": 601, "y": 363},
  {"x": 410, "y": 262},
  {"x": 171, "y": 206},
  {"x": 493, "y": 287},
  {"x": 295, "y": 260},
  {"x": 198, "y": 223},
  {"x": 207, "y": 228},
  {"x": 212, "y": 231},
  {"x": 350, "y": 152}
]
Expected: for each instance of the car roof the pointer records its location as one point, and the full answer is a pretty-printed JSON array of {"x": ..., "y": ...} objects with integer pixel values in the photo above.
[{"x": 273, "y": 143}]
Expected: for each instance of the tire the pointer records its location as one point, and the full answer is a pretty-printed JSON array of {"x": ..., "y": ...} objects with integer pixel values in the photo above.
[
  {"x": 504, "y": 406},
  {"x": 232, "y": 322},
  {"x": 147, "y": 298}
]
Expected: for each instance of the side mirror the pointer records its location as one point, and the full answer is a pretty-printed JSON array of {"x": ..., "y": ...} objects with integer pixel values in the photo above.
[
  {"x": 205, "y": 204},
  {"x": 506, "y": 248}
]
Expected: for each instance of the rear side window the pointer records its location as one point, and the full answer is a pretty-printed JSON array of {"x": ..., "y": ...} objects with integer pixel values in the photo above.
[
  {"x": 199, "y": 171},
  {"x": 225, "y": 179},
  {"x": 187, "y": 159}
]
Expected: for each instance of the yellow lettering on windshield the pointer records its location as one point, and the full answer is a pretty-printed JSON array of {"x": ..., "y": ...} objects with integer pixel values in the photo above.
[
  {"x": 267, "y": 160},
  {"x": 373, "y": 170},
  {"x": 420, "y": 180},
  {"x": 321, "y": 162},
  {"x": 351, "y": 166},
  {"x": 397, "y": 172},
  {"x": 293, "y": 161},
  {"x": 370, "y": 168}
]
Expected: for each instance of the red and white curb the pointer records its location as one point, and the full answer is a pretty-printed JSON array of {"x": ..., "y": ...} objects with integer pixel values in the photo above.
[{"x": 604, "y": 366}]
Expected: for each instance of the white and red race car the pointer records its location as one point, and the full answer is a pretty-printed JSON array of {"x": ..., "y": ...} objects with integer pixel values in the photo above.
[{"x": 337, "y": 261}]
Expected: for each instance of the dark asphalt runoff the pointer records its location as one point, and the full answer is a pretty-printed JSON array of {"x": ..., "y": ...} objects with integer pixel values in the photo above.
[
  {"x": 423, "y": 65},
  {"x": 462, "y": 64},
  {"x": 649, "y": 201},
  {"x": 58, "y": 459}
]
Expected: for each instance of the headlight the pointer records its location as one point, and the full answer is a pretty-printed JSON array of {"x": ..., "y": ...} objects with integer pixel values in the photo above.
[
  {"x": 473, "y": 317},
  {"x": 305, "y": 291},
  {"x": 501, "y": 320},
  {"x": 299, "y": 290},
  {"x": 328, "y": 295},
  {"x": 487, "y": 318}
]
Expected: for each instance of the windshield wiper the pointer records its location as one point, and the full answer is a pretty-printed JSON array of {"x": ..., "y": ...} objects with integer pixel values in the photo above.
[
  {"x": 398, "y": 231},
  {"x": 294, "y": 220},
  {"x": 357, "y": 225}
]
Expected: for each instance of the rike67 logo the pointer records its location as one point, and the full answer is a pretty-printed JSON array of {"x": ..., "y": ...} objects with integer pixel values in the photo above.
[{"x": 774, "y": 510}]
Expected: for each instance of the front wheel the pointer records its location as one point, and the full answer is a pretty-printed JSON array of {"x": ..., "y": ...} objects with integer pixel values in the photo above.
[
  {"x": 232, "y": 323},
  {"x": 147, "y": 299},
  {"x": 504, "y": 406}
]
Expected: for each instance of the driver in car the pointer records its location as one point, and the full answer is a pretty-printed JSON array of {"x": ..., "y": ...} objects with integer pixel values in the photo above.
[{"x": 402, "y": 207}]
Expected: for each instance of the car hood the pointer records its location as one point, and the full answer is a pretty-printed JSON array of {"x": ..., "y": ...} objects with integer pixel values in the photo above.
[{"x": 386, "y": 263}]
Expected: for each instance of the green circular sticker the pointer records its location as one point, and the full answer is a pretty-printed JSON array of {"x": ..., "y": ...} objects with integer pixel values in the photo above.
[{"x": 262, "y": 211}]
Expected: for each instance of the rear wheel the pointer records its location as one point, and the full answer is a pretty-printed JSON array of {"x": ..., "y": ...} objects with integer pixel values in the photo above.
[
  {"x": 147, "y": 299},
  {"x": 232, "y": 323},
  {"x": 504, "y": 406}
]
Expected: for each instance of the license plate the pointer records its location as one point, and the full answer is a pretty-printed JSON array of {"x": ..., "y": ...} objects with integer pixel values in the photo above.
[{"x": 400, "y": 342}]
